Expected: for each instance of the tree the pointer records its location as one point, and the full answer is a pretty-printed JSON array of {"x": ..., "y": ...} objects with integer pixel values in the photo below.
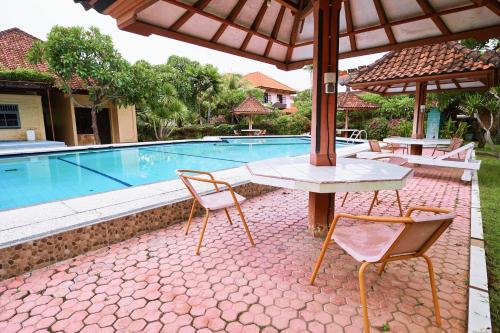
[
  {"x": 161, "y": 109},
  {"x": 197, "y": 84},
  {"x": 397, "y": 106},
  {"x": 87, "y": 57},
  {"x": 474, "y": 103},
  {"x": 492, "y": 44}
]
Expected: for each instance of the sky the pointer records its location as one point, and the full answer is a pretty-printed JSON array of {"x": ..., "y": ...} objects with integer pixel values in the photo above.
[{"x": 37, "y": 17}]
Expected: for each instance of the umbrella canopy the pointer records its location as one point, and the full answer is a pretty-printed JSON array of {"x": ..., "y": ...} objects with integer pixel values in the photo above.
[
  {"x": 249, "y": 107},
  {"x": 445, "y": 67},
  {"x": 281, "y": 32}
]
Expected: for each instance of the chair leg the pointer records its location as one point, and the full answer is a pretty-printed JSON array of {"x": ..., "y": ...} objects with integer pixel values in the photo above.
[
  {"x": 362, "y": 292},
  {"x": 434, "y": 151},
  {"x": 399, "y": 203},
  {"x": 238, "y": 207},
  {"x": 205, "y": 220},
  {"x": 228, "y": 216},
  {"x": 322, "y": 253},
  {"x": 375, "y": 197},
  {"x": 437, "y": 312},
  {"x": 382, "y": 268},
  {"x": 345, "y": 198},
  {"x": 190, "y": 217}
]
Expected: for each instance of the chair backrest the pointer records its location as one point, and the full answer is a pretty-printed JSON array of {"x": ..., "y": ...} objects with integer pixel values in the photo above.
[
  {"x": 189, "y": 185},
  {"x": 374, "y": 146},
  {"x": 418, "y": 236},
  {"x": 469, "y": 146},
  {"x": 455, "y": 143}
]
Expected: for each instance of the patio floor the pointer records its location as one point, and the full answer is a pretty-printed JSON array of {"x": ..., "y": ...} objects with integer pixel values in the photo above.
[{"x": 155, "y": 283}]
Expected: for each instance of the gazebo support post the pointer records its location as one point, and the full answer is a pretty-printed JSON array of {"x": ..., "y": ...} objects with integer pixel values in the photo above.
[
  {"x": 324, "y": 106},
  {"x": 418, "y": 117},
  {"x": 250, "y": 122}
]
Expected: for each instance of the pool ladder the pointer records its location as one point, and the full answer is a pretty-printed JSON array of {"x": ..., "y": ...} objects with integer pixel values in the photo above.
[{"x": 358, "y": 134}]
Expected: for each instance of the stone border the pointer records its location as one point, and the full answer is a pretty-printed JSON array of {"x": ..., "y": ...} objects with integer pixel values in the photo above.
[
  {"x": 41, "y": 252},
  {"x": 479, "y": 318}
]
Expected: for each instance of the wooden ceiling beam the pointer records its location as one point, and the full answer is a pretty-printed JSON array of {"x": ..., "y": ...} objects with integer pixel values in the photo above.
[
  {"x": 383, "y": 20},
  {"x": 491, "y": 4},
  {"x": 255, "y": 25},
  {"x": 294, "y": 34},
  {"x": 231, "y": 17},
  {"x": 276, "y": 29},
  {"x": 349, "y": 25},
  {"x": 294, "y": 7},
  {"x": 196, "y": 10},
  {"x": 200, "y": 4},
  {"x": 427, "y": 8}
]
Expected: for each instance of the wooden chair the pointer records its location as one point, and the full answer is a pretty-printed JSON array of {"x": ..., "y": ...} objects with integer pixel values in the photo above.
[
  {"x": 393, "y": 160},
  {"x": 375, "y": 146},
  {"x": 395, "y": 146},
  {"x": 454, "y": 144},
  {"x": 212, "y": 202},
  {"x": 377, "y": 243}
]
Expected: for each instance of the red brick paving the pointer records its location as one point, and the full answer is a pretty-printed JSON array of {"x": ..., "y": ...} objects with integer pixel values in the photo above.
[{"x": 155, "y": 283}]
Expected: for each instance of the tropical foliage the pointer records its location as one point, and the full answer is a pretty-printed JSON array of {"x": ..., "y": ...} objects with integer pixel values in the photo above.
[{"x": 25, "y": 74}]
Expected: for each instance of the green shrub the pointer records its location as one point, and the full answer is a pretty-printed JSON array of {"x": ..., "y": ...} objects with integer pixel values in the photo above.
[
  {"x": 292, "y": 125},
  {"x": 400, "y": 127},
  {"x": 378, "y": 128},
  {"x": 25, "y": 74}
]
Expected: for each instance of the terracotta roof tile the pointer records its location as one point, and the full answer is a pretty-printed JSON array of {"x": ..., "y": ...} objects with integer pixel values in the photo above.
[
  {"x": 435, "y": 59},
  {"x": 259, "y": 80},
  {"x": 14, "y": 47},
  {"x": 291, "y": 110},
  {"x": 352, "y": 102},
  {"x": 251, "y": 105}
]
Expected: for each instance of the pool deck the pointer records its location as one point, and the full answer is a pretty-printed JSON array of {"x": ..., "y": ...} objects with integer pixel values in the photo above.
[{"x": 155, "y": 283}]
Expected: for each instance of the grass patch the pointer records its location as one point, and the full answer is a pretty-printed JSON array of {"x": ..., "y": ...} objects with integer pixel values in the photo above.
[{"x": 489, "y": 188}]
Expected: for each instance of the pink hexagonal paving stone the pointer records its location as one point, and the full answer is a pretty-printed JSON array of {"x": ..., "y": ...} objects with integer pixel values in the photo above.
[{"x": 155, "y": 283}]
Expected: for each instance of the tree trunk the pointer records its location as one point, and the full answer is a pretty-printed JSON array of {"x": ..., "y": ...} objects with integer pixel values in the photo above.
[
  {"x": 478, "y": 133},
  {"x": 95, "y": 129},
  {"x": 487, "y": 133}
]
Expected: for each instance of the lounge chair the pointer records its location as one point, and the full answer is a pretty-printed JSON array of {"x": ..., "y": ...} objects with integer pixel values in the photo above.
[
  {"x": 392, "y": 160},
  {"x": 446, "y": 161},
  {"x": 236, "y": 132},
  {"x": 396, "y": 146},
  {"x": 454, "y": 144},
  {"x": 377, "y": 243},
  {"x": 262, "y": 132},
  {"x": 212, "y": 202}
]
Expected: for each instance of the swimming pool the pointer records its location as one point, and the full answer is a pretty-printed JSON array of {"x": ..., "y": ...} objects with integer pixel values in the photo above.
[{"x": 34, "y": 179}]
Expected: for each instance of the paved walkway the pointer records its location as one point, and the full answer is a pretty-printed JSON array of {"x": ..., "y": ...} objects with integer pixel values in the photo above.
[{"x": 155, "y": 283}]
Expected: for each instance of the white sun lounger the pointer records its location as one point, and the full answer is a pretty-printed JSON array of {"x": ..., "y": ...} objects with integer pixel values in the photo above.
[{"x": 468, "y": 164}]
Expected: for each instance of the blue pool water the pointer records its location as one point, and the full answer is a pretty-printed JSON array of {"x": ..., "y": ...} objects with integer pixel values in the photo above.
[{"x": 41, "y": 178}]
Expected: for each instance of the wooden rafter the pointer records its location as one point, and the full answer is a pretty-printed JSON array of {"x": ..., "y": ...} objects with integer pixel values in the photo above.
[
  {"x": 349, "y": 25},
  {"x": 427, "y": 8},
  {"x": 456, "y": 83},
  {"x": 383, "y": 20},
  {"x": 288, "y": 4},
  {"x": 231, "y": 17},
  {"x": 294, "y": 34},
  {"x": 276, "y": 29},
  {"x": 255, "y": 25},
  {"x": 200, "y": 4},
  {"x": 491, "y": 4},
  {"x": 196, "y": 10}
]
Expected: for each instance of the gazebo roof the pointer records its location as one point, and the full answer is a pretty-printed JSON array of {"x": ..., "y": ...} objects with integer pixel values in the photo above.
[
  {"x": 251, "y": 106},
  {"x": 350, "y": 101},
  {"x": 281, "y": 32},
  {"x": 444, "y": 66}
]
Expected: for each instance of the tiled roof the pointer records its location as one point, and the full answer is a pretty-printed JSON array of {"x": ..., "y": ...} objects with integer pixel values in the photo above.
[
  {"x": 251, "y": 105},
  {"x": 435, "y": 59},
  {"x": 291, "y": 110},
  {"x": 259, "y": 80},
  {"x": 14, "y": 47},
  {"x": 351, "y": 101}
]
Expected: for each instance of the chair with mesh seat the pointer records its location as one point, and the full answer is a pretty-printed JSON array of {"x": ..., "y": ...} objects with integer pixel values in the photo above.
[
  {"x": 374, "y": 242},
  {"x": 220, "y": 199}
]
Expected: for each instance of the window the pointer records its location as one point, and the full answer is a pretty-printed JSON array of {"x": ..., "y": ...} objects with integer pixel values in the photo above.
[
  {"x": 266, "y": 98},
  {"x": 280, "y": 98},
  {"x": 9, "y": 116}
]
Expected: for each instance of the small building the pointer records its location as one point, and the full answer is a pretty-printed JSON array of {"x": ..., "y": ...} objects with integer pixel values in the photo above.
[
  {"x": 30, "y": 104},
  {"x": 278, "y": 94}
]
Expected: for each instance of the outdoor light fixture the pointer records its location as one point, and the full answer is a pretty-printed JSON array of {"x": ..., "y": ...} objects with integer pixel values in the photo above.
[
  {"x": 330, "y": 80},
  {"x": 268, "y": 3}
]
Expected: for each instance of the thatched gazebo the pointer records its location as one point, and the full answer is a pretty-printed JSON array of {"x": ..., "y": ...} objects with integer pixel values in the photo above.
[{"x": 250, "y": 107}]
